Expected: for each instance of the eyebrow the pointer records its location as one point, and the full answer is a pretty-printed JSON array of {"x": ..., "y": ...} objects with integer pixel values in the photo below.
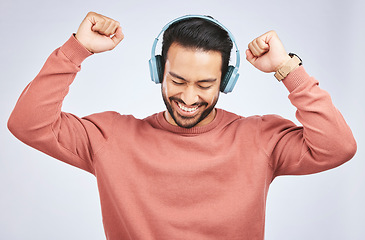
[{"x": 200, "y": 81}]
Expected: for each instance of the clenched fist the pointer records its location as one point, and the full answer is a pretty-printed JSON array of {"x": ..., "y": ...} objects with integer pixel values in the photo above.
[
  {"x": 98, "y": 33},
  {"x": 267, "y": 53}
]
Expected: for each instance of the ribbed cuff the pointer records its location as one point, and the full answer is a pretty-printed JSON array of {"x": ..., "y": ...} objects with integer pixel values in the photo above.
[
  {"x": 296, "y": 78},
  {"x": 75, "y": 51}
]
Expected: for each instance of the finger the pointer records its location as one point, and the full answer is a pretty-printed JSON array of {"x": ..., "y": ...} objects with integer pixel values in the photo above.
[
  {"x": 259, "y": 47},
  {"x": 249, "y": 55},
  {"x": 118, "y": 36},
  {"x": 254, "y": 49},
  {"x": 262, "y": 44},
  {"x": 257, "y": 51},
  {"x": 98, "y": 25},
  {"x": 108, "y": 28},
  {"x": 104, "y": 25},
  {"x": 112, "y": 28}
]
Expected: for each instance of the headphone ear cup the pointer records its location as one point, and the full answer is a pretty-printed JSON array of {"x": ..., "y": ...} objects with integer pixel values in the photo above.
[
  {"x": 229, "y": 80},
  {"x": 159, "y": 68},
  {"x": 156, "y": 69},
  {"x": 226, "y": 79}
]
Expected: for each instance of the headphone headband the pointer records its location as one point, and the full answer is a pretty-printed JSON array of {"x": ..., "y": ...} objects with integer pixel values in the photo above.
[{"x": 233, "y": 74}]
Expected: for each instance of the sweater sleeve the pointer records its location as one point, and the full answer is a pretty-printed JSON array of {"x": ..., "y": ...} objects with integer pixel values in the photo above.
[
  {"x": 38, "y": 121},
  {"x": 324, "y": 140}
]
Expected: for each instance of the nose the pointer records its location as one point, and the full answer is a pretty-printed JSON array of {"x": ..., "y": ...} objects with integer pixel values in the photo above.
[{"x": 190, "y": 95}]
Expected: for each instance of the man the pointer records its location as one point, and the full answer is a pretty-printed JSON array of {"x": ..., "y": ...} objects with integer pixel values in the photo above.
[{"x": 193, "y": 171}]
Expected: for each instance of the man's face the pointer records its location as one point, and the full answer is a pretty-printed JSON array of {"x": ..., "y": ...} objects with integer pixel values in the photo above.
[{"x": 190, "y": 86}]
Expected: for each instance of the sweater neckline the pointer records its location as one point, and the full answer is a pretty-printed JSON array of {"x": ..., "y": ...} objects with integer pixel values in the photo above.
[{"x": 190, "y": 131}]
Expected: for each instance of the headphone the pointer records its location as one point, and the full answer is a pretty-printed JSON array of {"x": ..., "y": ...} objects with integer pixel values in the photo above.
[{"x": 228, "y": 81}]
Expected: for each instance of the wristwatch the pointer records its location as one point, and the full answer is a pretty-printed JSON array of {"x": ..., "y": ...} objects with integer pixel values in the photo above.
[{"x": 289, "y": 66}]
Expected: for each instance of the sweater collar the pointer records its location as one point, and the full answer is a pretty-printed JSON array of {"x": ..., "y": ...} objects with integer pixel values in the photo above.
[{"x": 189, "y": 131}]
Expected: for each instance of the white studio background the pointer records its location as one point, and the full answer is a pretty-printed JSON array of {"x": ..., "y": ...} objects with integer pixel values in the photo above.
[{"x": 42, "y": 198}]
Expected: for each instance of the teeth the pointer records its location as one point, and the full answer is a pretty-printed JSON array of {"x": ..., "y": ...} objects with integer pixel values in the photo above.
[{"x": 187, "y": 109}]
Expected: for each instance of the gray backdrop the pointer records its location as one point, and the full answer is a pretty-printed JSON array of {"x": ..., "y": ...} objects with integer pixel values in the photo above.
[{"x": 42, "y": 198}]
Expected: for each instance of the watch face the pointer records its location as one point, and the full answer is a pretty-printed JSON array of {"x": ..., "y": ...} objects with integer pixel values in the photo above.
[{"x": 293, "y": 54}]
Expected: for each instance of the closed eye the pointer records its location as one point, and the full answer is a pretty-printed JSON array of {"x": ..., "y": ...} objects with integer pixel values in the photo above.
[
  {"x": 204, "y": 87},
  {"x": 177, "y": 83}
]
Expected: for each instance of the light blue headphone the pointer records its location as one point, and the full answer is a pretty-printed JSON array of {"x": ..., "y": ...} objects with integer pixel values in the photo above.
[{"x": 228, "y": 81}]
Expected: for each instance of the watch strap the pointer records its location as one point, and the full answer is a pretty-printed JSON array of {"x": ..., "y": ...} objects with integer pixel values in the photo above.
[{"x": 289, "y": 66}]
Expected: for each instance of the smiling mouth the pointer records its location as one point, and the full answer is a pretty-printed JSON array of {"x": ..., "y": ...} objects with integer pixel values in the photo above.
[{"x": 187, "y": 109}]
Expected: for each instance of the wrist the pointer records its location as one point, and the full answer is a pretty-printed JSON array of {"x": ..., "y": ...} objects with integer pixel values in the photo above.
[
  {"x": 81, "y": 42},
  {"x": 289, "y": 66},
  {"x": 285, "y": 60},
  {"x": 75, "y": 51}
]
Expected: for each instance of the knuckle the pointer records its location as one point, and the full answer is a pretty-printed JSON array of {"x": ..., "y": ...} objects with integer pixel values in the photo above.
[
  {"x": 91, "y": 14},
  {"x": 272, "y": 33}
]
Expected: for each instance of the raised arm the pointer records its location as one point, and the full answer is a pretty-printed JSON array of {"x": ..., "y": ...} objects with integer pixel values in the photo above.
[
  {"x": 324, "y": 141},
  {"x": 37, "y": 119}
]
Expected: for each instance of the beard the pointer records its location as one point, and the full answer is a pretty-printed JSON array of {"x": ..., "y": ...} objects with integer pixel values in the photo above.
[{"x": 184, "y": 121}]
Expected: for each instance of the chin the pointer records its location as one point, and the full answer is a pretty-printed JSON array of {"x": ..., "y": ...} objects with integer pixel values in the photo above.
[
  {"x": 189, "y": 122},
  {"x": 185, "y": 122}
]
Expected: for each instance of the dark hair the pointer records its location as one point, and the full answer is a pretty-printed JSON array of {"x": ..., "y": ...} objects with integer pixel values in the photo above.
[{"x": 200, "y": 34}]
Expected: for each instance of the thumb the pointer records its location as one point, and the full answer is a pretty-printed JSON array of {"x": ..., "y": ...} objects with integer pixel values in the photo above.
[
  {"x": 250, "y": 57},
  {"x": 118, "y": 36}
]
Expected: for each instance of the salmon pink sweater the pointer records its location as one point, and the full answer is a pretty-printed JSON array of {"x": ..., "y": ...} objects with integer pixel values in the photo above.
[{"x": 159, "y": 181}]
